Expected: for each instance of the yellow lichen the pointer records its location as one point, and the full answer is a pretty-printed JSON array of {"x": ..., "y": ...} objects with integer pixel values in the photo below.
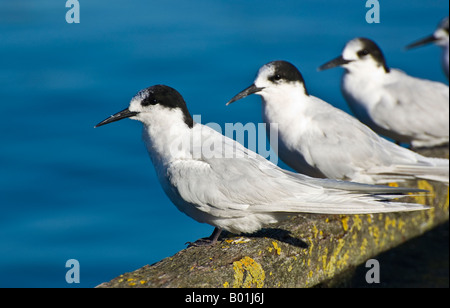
[
  {"x": 357, "y": 222},
  {"x": 401, "y": 224},
  {"x": 446, "y": 204},
  {"x": 277, "y": 248},
  {"x": 248, "y": 273},
  {"x": 311, "y": 246},
  {"x": 363, "y": 248},
  {"x": 431, "y": 214},
  {"x": 344, "y": 221},
  {"x": 425, "y": 198},
  {"x": 375, "y": 233},
  {"x": 315, "y": 230},
  {"x": 337, "y": 260},
  {"x": 240, "y": 240},
  {"x": 389, "y": 223}
]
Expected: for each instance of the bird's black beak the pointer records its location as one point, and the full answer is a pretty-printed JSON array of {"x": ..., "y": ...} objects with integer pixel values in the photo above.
[
  {"x": 126, "y": 113},
  {"x": 249, "y": 91},
  {"x": 334, "y": 63},
  {"x": 424, "y": 41}
]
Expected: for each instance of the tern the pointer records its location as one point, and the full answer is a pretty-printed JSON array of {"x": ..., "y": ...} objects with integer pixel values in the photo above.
[
  {"x": 392, "y": 103},
  {"x": 319, "y": 140},
  {"x": 217, "y": 181},
  {"x": 440, "y": 38}
]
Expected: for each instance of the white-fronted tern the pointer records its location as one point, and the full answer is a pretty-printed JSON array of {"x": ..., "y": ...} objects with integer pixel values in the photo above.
[
  {"x": 319, "y": 140},
  {"x": 392, "y": 103},
  {"x": 241, "y": 192},
  {"x": 440, "y": 38}
]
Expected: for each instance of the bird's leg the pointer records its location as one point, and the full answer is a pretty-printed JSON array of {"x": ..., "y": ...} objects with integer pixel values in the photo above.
[{"x": 210, "y": 241}]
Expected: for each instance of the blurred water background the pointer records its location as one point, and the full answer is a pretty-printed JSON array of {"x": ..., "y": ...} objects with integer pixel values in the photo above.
[{"x": 69, "y": 191}]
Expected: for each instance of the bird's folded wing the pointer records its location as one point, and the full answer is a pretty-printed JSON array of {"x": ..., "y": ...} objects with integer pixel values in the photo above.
[
  {"x": 413, "y": 106},
  {"x": 343, "y": 139},
  {"x": 232, "y": 187}
]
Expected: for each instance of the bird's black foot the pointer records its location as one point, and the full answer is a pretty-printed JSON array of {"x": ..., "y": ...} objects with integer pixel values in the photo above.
[{"x": 205, "y": 242}]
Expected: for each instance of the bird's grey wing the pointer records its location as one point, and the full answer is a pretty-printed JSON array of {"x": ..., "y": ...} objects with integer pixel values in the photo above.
[
  {"x": 225, "y": 179},
  {"x": 232, "y": 187},
  {"x": 413, "y": 107},
  {"x": 363, "y": 156},
  {"x": 342, "y": 147}
]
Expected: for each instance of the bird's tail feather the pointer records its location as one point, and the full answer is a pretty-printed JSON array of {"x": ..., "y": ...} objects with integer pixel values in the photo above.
[
  {"x": 345, "y": 203},
  {"x": 347, "y": 208},
  {"x": 438, "y": 172},
  {"x": 345, "y": 197}
]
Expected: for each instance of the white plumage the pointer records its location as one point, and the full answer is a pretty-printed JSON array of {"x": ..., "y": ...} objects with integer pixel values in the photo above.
[
  {"x": 215, "y": 180},
  {"x": 392, "y": 103},
  {"x": 320, "y": 140},
  {"x": 440, "y": 38},
  {"x": 244, "y": 194}
]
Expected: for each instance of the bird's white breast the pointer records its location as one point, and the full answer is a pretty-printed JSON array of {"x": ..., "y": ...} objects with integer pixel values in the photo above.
[{"x": 292, "y": 110}]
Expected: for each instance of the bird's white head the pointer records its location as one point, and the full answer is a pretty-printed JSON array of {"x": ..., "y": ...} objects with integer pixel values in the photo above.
[
  {"x": 439, "y": 37},
  {"x": 359, "y": 54},
  {"x": 158, "y": 103},
  {"x": 441, "y": 33},
  {"x": 277, "y": 78}
]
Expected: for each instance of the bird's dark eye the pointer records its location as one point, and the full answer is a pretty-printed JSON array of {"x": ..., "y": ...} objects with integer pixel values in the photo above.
[
  {"x": 276, "y": 77},
  {"x": 363, "y": 53},
  {"x": 149, "y": 101}
]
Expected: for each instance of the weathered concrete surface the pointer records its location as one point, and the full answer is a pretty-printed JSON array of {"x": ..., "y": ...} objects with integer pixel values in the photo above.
[{"x": 305, "y": 251}]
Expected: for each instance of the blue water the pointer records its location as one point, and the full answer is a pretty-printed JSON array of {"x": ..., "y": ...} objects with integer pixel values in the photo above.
[{"x": 69, "y": 191}]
